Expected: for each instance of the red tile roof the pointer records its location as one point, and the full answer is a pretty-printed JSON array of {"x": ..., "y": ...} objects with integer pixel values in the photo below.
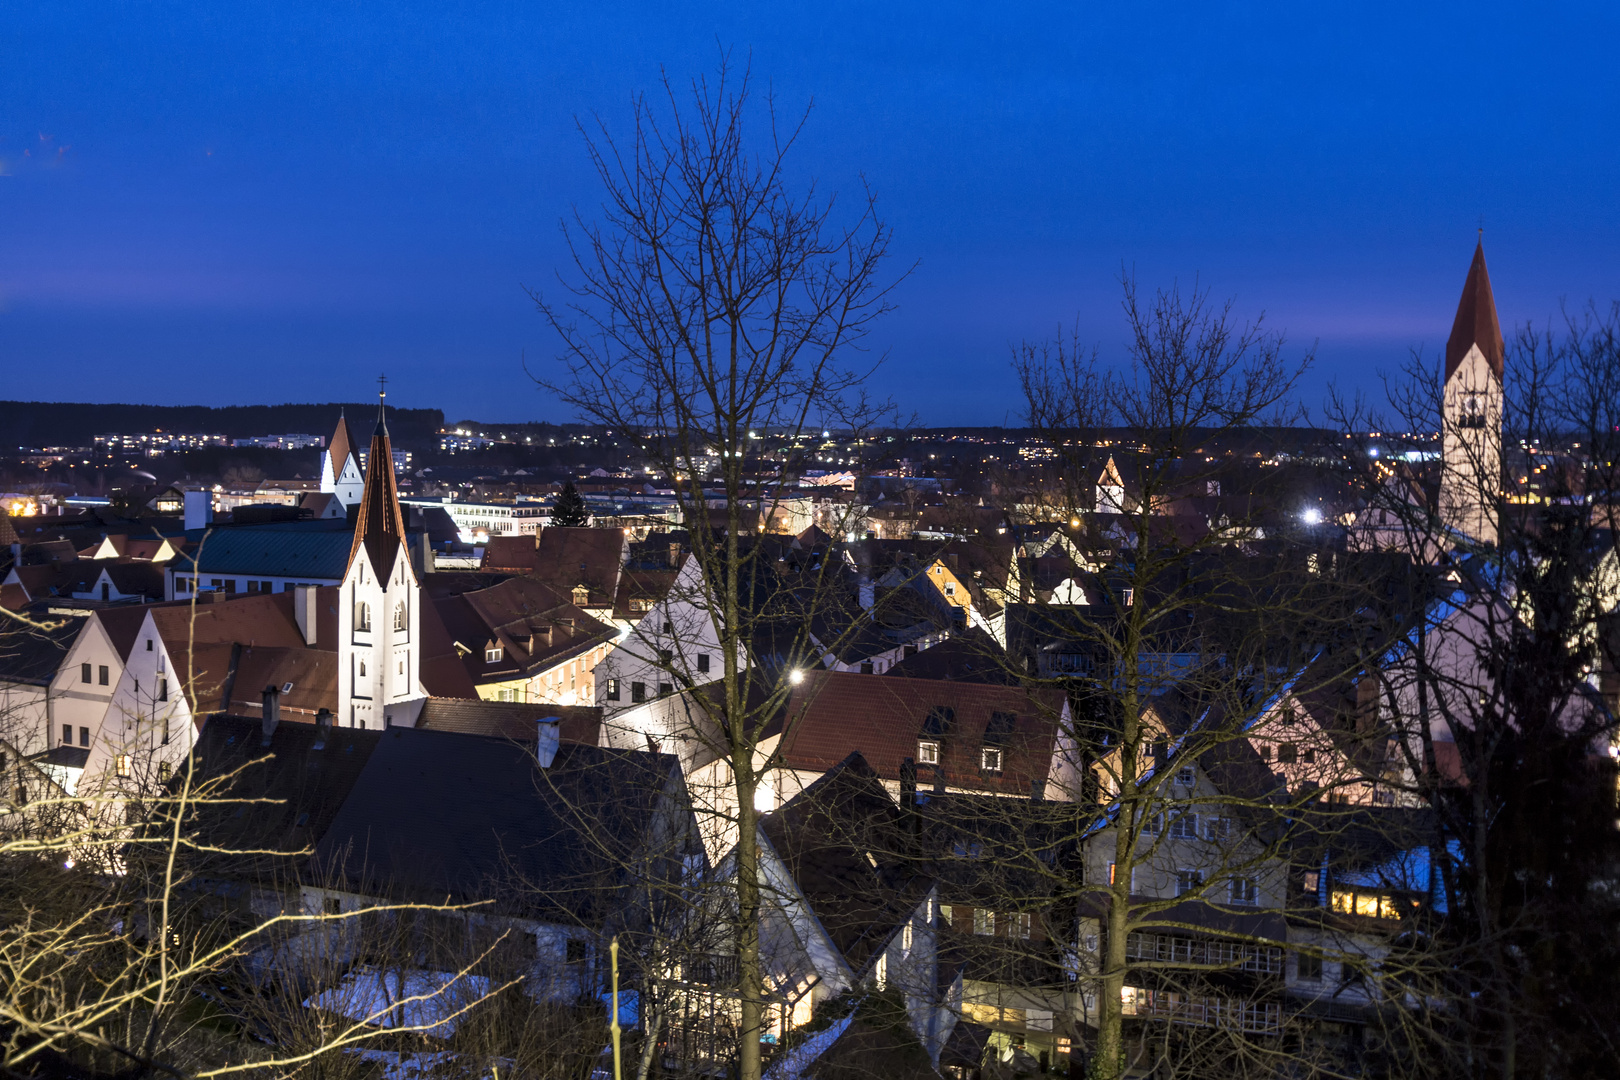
[{"x": 833, "y": 713}]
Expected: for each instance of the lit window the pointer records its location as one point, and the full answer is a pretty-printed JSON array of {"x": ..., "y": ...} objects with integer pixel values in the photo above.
[
  {"x": 928, "y": 752},
  {"x": 613, "y": 689},
  {"x": 122, "y": 765},
  {"x": 984, "y": 921},
  {"x": 990, "y": 759}
]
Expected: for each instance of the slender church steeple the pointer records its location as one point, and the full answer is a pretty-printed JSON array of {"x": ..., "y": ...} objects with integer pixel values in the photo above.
[
  {"x": 380, "y": 526},
  {"x": 1471, "y": 436},
  {"x": 380, "y": 662}
]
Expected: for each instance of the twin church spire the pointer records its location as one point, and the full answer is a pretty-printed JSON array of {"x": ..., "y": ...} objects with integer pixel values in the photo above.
[{"x": 379, "y": 526}]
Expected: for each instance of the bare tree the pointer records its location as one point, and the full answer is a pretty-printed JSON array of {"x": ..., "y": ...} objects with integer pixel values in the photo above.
[
  {"x": 1499, "y": 699},
  {"x": 1213, "y": 627},
  {"x": 714, "y": 304}
]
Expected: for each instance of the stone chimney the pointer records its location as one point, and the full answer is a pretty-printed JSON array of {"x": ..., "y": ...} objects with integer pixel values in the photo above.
[
  {"x": 304, "y": 611},
  {"x": 550, "y": 737},
  {"x": 199, "y": 509},
  {"x": 272, "y": 713}
]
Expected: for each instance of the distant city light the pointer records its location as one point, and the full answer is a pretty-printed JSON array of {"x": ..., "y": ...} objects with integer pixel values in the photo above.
[{"x": 1373, "y": 452}]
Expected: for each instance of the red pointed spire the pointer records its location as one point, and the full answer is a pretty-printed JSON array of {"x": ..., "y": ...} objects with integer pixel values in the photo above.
[
  {"x": 1476, "y": 322},
  {"x": 380, "y": 525},
  {"x": 341, "y": 446}
]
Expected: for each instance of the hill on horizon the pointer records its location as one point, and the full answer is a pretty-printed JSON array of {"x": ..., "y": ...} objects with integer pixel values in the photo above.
[{"x": 62, "y": 423}]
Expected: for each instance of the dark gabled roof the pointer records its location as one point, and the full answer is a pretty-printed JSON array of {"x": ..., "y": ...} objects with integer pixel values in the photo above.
[
  {"x": 846, "y": 845},
  {"x": 33, "y": 655},
  {"x": 436, "y": 814},
  {"x": 535, "y": 626},
  {"x": 1476, "y": 322},
  {"x": 305, "y": 786},
  {"x": 513, "y": 720},
  {"x": 313, "y": 550},
  {"x": 970, "y": 655}
]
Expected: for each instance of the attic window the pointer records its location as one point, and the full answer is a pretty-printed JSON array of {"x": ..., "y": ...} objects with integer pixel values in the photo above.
[
  {"x": 941, "y": 720},
  {"x": 493, "y": 654},
  {"x": 927, "y": 752},
  {"x": 1187, "y": 777},
  {"x": 990, "y": 760},
  {"x": 999, "y": 728},
  {"x": 286, "y": 687}
]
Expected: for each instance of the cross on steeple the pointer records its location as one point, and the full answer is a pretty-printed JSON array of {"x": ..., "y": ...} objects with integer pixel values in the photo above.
[{"x": 382, "y": 397}]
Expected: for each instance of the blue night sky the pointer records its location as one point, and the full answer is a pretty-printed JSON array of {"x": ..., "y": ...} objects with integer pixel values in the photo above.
[{"x": 232, "y": 203}]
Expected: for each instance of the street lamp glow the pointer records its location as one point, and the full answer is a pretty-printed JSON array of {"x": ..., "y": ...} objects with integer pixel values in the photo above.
[
  {"x": 795, "y": 676},
  {"x": 1312, "y": 516}
]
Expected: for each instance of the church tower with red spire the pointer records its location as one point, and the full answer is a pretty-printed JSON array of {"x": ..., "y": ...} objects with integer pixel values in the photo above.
[
  {"x": 380, "y": 663},
  {"x": 1471, "y": 437},
  {"x": 340, "y": 466}
]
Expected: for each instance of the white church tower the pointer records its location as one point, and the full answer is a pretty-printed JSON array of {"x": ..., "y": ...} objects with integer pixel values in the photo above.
[
  {"x": 340, "y": 466},
  {"x": 379, "y": 641},
  {"x": 1471, "y": 440}
]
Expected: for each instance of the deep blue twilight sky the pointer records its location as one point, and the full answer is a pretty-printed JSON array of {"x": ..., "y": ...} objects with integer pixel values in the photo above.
[{"x": 243, "y": 202}]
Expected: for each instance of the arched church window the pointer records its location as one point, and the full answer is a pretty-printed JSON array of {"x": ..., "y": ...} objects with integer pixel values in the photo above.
[
  {"x": 362, "y": 615},
  {"x": 400, "y": 616}
]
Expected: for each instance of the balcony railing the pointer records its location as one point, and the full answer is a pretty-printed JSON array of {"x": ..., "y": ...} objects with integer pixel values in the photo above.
[
  {"x": 715, "y": 969},
  {"x": 1200, "y": 952},
  {"x": 1249, "y": 1016}
]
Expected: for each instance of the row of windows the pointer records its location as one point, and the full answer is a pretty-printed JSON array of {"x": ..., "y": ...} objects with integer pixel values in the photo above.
[
  {"x": 638, "y": 691},
  {"x": 402, "y": 617},
  {"x": 990, "y": 757},
  {"x": 1190, "y": 826},
  {"x": 988, "y": 923},
  {"x": 230, "y": 586},
  {"x": 1241, "y": 891}
]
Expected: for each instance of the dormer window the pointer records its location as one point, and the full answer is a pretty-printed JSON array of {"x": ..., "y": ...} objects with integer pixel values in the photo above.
[
  {"x": 928, "y": 752},
  {"x": 582, "y": 595},
  {"x": 362, "y": 615},
  {"x": 493, "y": 654}
]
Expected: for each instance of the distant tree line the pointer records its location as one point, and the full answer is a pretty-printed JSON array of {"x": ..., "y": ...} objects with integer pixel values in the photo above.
[{"x": 65, "y": 423}]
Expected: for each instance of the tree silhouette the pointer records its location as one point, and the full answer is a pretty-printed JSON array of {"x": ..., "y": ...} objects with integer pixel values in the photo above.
[{"x": 570, "y": 511}]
